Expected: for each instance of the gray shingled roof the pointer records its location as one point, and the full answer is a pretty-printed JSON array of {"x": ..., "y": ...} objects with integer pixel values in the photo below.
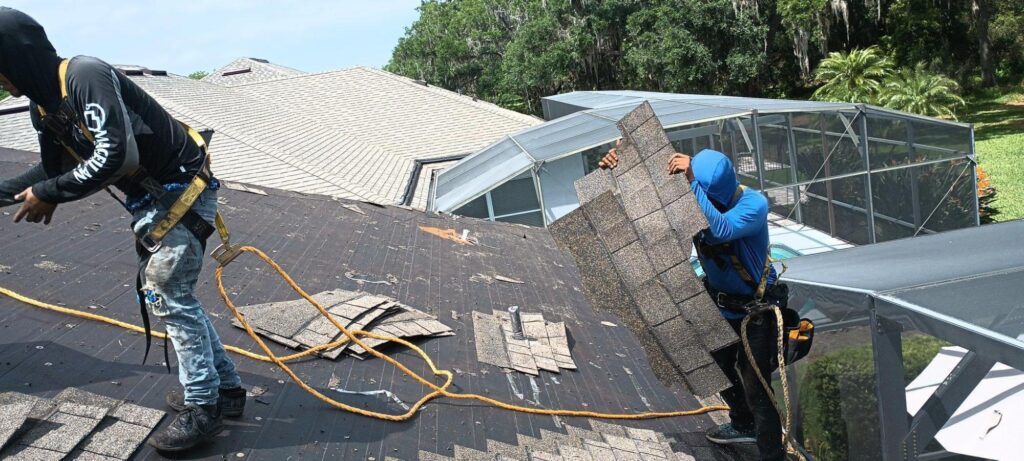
[
  {"x": 352, "y": 133},
  {"x": 249, "y": 70}
]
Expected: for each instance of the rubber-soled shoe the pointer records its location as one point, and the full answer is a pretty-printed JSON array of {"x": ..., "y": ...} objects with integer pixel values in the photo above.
[
  {"x": 726, "y": 434},
  {"x": 230, "y": 401},
  {"x": 194, "y": 425}
]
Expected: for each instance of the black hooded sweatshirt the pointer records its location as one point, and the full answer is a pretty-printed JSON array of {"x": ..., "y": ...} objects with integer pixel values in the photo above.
[{"x": 129, "y": 127}]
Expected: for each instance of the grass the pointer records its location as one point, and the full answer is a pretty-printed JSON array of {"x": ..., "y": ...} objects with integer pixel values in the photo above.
[{"x": 998, "y": 117}]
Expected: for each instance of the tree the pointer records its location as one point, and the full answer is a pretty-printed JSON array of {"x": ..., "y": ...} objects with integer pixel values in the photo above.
[
  {"x": 198, "y": 75},
  {"x": 855, "y": 76},
  {"x": 919, "y": 91},
  {"x": 982, "y": 15}
]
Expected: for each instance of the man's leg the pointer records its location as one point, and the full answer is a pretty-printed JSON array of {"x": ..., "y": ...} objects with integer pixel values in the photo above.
[
  {"x": 761, "y": 334},
  {"x": 168, "y": 280},
  {"x": 225, "y": 367},
  {"x": 741, "y": 419}
]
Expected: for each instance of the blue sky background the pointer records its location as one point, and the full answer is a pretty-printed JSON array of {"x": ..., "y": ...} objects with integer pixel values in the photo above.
[{"x": 185, "y": 36}]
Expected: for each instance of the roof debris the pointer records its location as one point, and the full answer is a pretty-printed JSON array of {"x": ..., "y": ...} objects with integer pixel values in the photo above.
[
  {"x": 298, "y": 325},
  {"x": 449, "y": 234},
  {"x": 502, "y": 278},
  {"x": 51, "y": 266},
  {"x": 545, "y": 347}
]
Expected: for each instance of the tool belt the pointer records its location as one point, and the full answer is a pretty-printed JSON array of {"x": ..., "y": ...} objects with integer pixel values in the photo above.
[{"x": 177, "y": 205}]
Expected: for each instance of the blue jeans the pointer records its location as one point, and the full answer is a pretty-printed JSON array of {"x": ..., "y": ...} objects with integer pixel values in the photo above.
[{"x": 168, "y": 280}]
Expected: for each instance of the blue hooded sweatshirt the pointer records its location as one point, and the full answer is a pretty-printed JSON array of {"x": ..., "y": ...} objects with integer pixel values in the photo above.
[{"x": 741, "y": 219}]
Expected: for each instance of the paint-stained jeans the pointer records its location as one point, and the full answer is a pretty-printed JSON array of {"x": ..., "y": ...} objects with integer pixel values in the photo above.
[{"x": 169, "y": 279}]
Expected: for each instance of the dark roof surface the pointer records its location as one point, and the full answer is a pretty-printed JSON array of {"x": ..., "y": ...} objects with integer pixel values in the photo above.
[{"x": 85, "y": 260}]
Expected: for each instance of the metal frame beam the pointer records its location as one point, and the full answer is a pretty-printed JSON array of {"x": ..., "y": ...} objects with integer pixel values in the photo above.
[
  {"x": 950, "y": 394},
  {"x": 887, "y": 349}
]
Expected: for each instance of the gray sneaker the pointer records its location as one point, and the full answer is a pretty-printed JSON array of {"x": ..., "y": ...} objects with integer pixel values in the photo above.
[{"x": 726, "y": 434}]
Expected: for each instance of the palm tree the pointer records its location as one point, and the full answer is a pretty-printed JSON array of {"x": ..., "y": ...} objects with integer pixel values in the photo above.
[
  {"x": 919, "y": 91},
  {"x": 856, "y": 76}
]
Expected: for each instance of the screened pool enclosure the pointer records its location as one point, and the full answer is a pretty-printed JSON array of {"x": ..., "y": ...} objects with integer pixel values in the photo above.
[{"x": 858, "y": 172}]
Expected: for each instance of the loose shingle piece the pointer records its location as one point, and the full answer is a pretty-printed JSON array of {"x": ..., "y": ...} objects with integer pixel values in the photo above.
[
  {"x": 644, "y": 224},
  {"x": 75, "y": 424},
  {"x": 544, "y": 346},
  {"x": 299, "y": 325}
]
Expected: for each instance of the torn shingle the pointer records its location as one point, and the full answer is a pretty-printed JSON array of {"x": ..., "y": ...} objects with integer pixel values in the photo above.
[
  {"x": 594, "y": 184},
  {"x": 637, "y": 193},
  {"x": 682, "y": 344},
  {"x": 707, "y": 380},
  {"x": 628, "y": 157},
  {"x": 686, "y": 217},
  {"x": 655, "y": 305},
  {"x": 633, "y": 265},
  {"x": 660, "y": 241},
  {"x": 682, "y": 283},
  {"x": 490, "y": 346},
  {"x": 610, "y": 221},
  {"x": 708, "y": 322},
  {"x": 669, "y": 187},
  {"x": 12, "y": 418}
]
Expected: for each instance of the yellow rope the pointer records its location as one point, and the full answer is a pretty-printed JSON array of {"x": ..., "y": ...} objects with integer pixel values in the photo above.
[
  {"x": 350, "y": 335},
  {"x": 787, "y": 437}
]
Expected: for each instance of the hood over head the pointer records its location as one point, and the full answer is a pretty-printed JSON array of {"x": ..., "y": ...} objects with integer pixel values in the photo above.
[
  {"x": 714, "y": 173},
  {"x": 28, "y": 59}
]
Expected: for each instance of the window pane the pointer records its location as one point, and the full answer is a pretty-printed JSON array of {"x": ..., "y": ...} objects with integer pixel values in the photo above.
[
  {"x": 515, "y": 196},
  {"x": 475, "y": 209},
  {"x": 530, "y": 219},
  {"x": 775, "y": 149},
  {"x": 888, "y": 142}
]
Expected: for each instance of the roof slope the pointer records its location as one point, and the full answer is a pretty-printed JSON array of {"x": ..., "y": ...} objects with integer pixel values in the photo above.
[
  {"x": 394, "y": 112},
  {"x": 317, "y": 241},
  {"x": 353, "y": 133},
  {"x": 249, "y": 70}
]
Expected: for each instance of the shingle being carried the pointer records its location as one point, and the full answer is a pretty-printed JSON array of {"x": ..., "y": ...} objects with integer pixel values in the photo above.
[{"x": 654, "y": 269}]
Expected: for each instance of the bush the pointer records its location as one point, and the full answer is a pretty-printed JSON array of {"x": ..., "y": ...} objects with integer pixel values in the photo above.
[{"x": 839, "y": 388}]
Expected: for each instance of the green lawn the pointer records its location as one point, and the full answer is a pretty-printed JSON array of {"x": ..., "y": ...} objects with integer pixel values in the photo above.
[{"x": 998, "y": 118}]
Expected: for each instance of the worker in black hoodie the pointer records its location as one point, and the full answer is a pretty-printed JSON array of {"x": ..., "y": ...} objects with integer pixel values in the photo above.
[{"x": 101, "y": 134}]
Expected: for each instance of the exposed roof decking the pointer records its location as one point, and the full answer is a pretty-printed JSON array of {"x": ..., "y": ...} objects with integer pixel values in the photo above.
[{"x": 318, "y": 240}]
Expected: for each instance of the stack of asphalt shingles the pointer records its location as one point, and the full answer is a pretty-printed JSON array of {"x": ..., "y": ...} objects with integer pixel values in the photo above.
[
  {"x": 299, "y": 325},
  {"x": 73, "y": 425},
  {"x": 632, "y": 239},
  {"x": 545, "y": 345}
]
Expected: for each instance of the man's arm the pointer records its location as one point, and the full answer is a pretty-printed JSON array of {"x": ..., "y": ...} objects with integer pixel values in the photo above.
[
  {"x": 746, "y": 218},
  {"x": 16, "y": 185},
  {"x": 95, "y": 89}
]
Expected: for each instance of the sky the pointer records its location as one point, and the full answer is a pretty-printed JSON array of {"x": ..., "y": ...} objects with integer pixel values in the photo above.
[{"x": 186, "y": 36}]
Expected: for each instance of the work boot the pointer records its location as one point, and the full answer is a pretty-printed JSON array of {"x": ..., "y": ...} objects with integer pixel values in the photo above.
[
  {"x": 726, "y": 434},
  {"x": 230, "y": 401},
  {"x": 194, "y": 425}
]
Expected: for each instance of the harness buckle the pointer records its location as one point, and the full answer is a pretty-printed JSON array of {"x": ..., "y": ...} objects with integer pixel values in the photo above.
[
  {"x": 225, "y": 253},
  {"x": 151, "y": 245}
]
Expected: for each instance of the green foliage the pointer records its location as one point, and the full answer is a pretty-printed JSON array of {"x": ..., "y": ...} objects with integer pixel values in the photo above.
[
  {"x": 198, "y": 75},
  {"x": 854, "y": 76},
  {"x": 998, "y": 118},
  {"x": 919, "y": 91},
  {"x": 838, "y": 390},
  {"x": 3, "y": 94}
]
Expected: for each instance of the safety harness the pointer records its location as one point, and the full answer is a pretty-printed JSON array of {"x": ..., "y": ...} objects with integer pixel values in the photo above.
[
  {"x": 799, "y": 332},
  {"x": 178, "y": 204}
]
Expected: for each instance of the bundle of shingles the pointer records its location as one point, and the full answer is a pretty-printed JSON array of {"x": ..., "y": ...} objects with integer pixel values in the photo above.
[
  {"x": 73, "y": 425},
  {"x": 298, "y": 325},
  {"x": 631, "y": 239},
  {"x": 545, "y": 345}
]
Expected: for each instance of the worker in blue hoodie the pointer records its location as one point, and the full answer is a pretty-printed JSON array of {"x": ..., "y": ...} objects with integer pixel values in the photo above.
[{"x": 733, "y": 252}]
